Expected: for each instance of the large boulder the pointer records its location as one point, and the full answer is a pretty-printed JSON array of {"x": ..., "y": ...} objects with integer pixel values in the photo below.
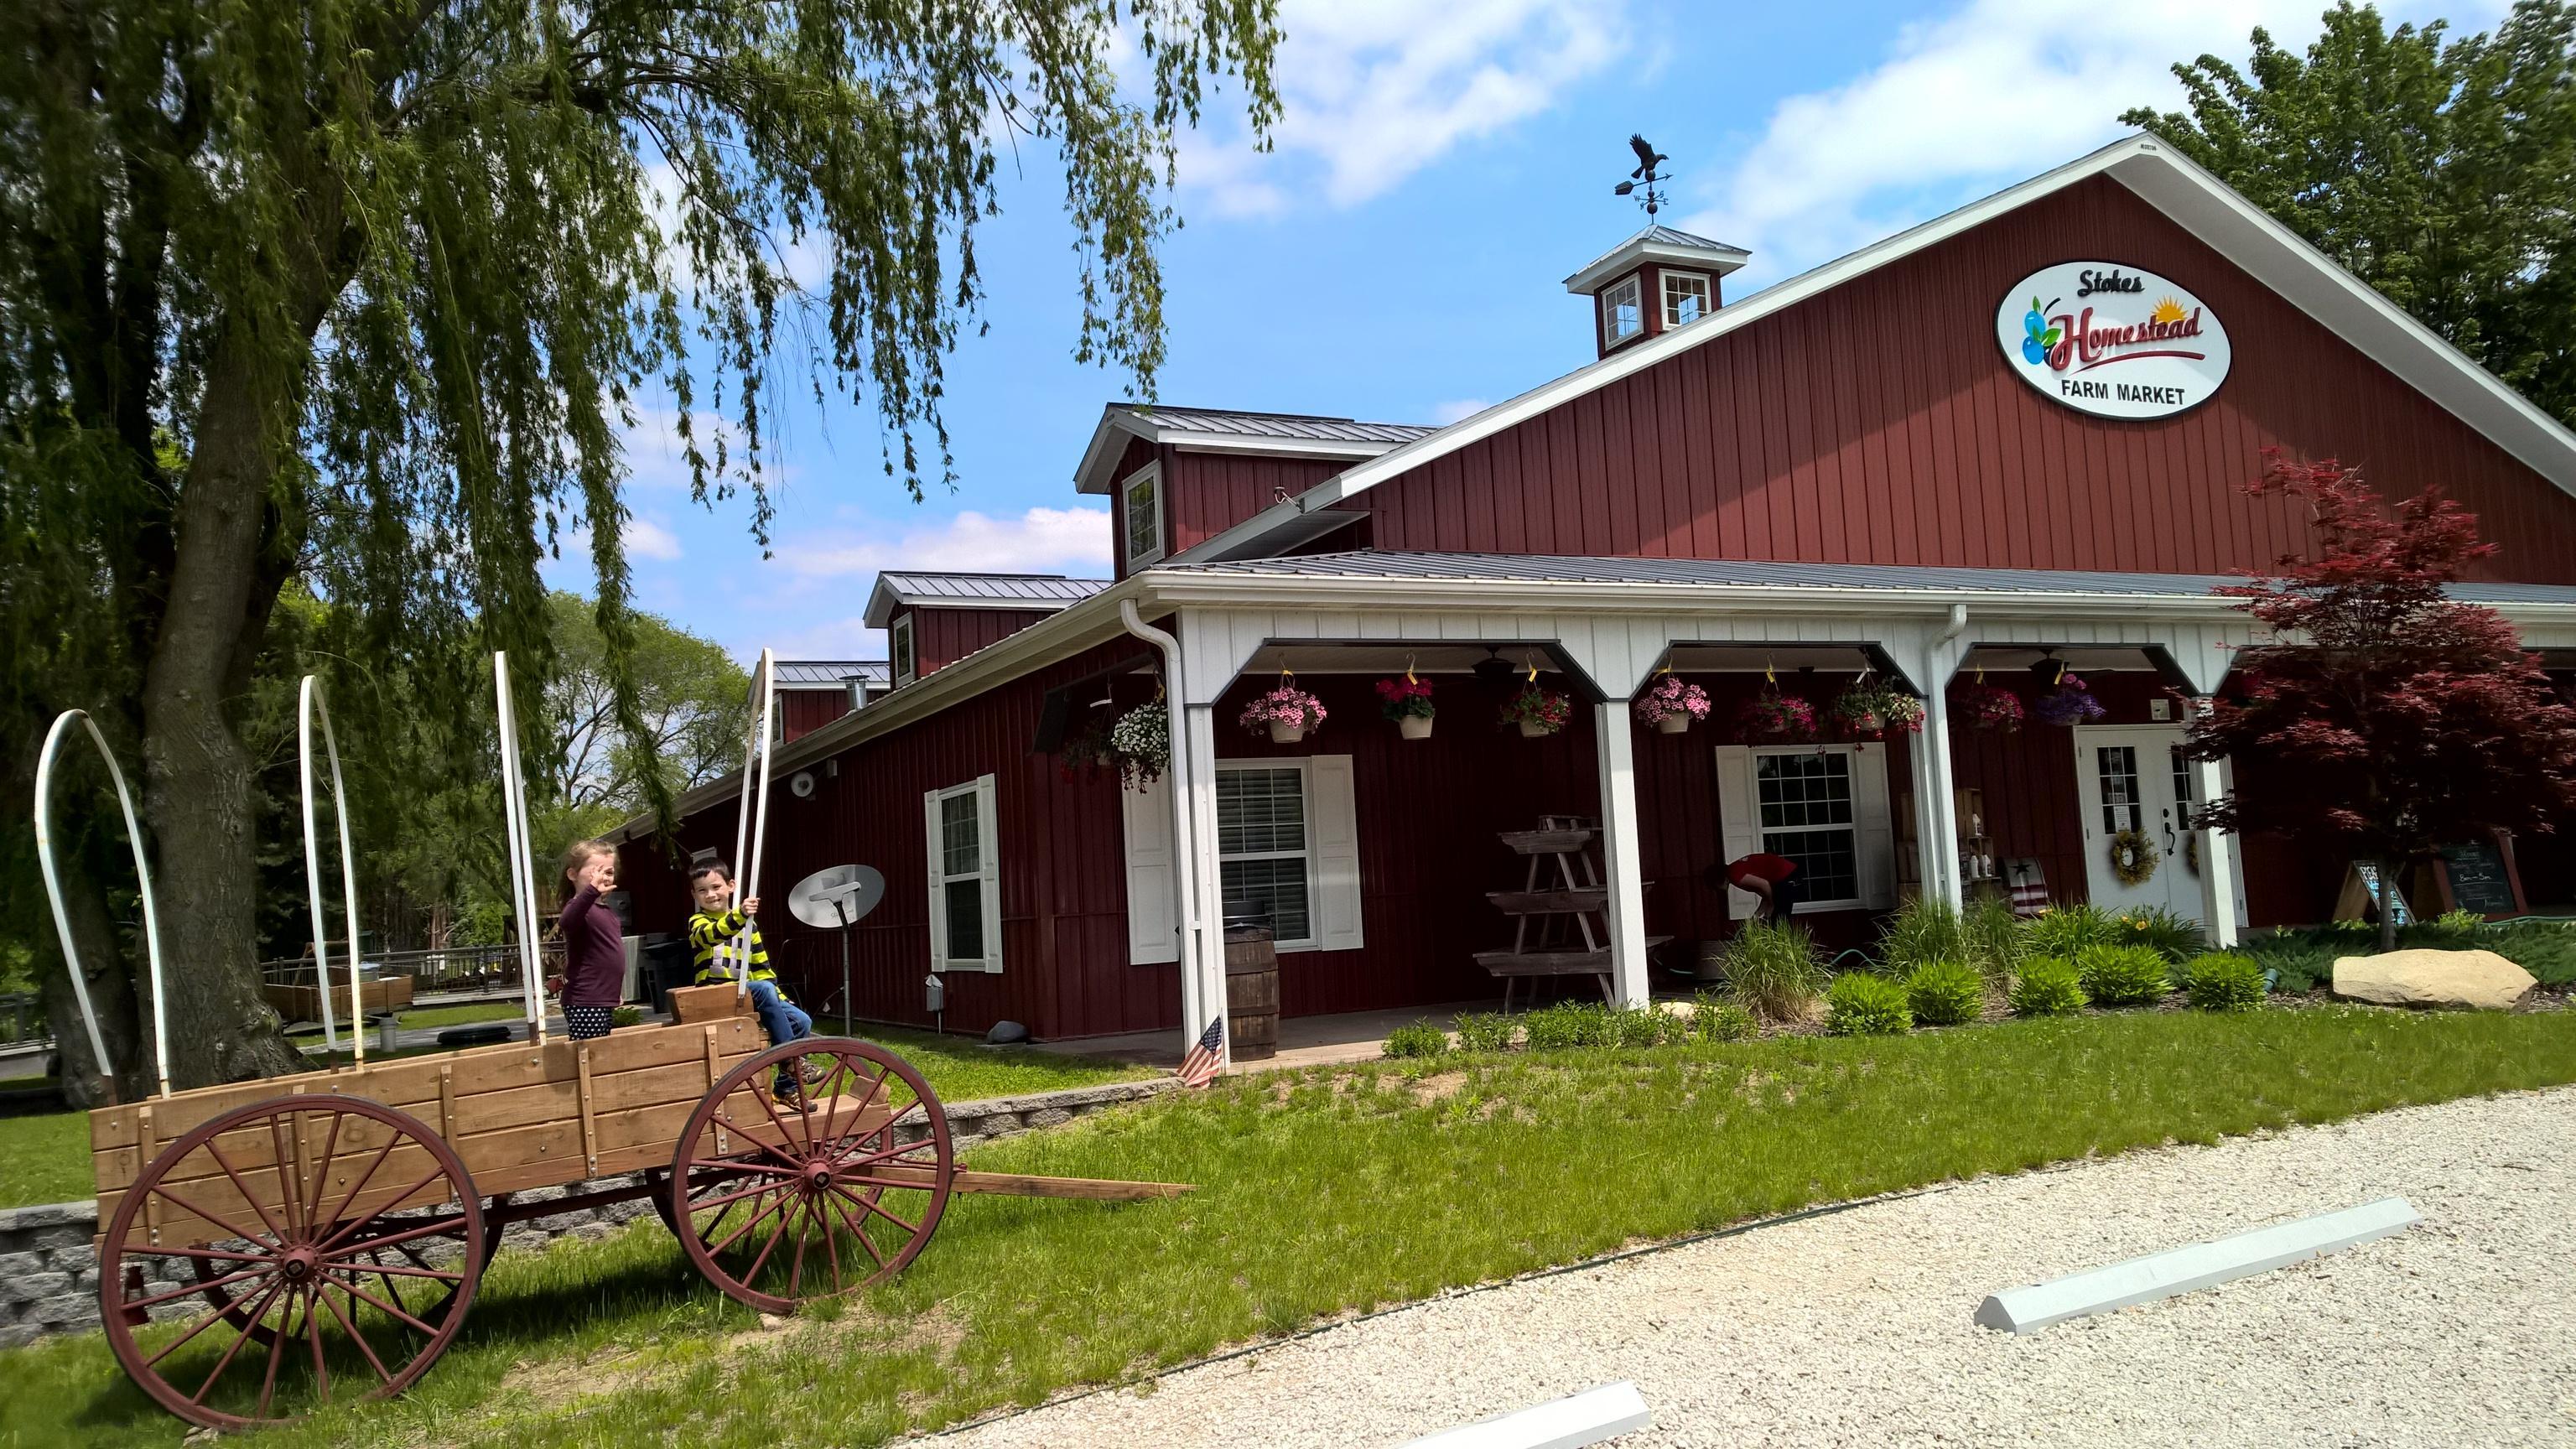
[{"x": 2479, "y": 979}]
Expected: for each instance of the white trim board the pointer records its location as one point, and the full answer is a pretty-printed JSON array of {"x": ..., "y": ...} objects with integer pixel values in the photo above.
[
  {"x": 1592, "y": 1417},
  {"x": 2178, "y": 187},
  {"x": 2202, "y": 1265}
]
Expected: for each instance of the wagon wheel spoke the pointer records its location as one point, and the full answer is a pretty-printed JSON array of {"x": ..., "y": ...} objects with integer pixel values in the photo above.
[
  {"x": 275, "y": 1233},
  {"x": 858, "y": 1231},
  {"x": 383, "y": 1269},
  {"x": 276, "y": 1352},
  {"x": 752, "y": 1274},
  {"x": 189, "y": 1207},
  {"x": 382, "y": 1306},
  {"x": 240, "y": 1338},
  {"x": 202, "y": 1288},
  {"x": 745, "y": 1134},
  {"x": 350, "y": 1327},
  {"x": 322, "y": 1172},
  {"x": 206, "y": 1255},
  {"x": 436, "y": 1172},
  {"x": 277, "y": 1155},
  {"x": 831, "y": 1243},
  {"x": 804, "y": 1216},
  {"x": 221, "y": 1313},
  {"x": 364, "y": 1178},
  {"x": 748, "y": 1224}
]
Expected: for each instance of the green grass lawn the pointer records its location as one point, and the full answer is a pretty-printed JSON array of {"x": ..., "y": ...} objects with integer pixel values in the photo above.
[
  {"x": 1330, "y": 1191},
  {"x": 427, "y": 1016},
  {"x": 44, "y": 1157}
]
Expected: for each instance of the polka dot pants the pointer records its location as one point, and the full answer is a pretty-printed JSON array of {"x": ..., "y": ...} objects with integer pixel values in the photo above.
[{"x": 582, "y": 1023}]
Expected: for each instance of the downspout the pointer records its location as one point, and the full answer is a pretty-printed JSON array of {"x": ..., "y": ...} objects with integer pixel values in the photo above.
[{"x": 1185, "y": 859}]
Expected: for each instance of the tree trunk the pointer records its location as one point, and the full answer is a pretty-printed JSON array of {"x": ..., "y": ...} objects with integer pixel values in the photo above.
[
  {"x": 197, "y": 776},
  {"x": 111, "y": 995}
]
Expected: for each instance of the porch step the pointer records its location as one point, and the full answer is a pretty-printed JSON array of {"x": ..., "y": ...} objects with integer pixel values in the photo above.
[
  {"x": 1553, "y": 963},
  {"x": 1548, "y": 842}
]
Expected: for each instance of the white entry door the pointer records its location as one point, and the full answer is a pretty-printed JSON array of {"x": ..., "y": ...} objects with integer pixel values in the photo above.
[{"x": 2133, "y": 777}]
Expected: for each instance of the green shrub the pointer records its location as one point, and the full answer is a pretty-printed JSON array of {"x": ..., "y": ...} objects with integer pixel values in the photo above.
[
  {"x": 1417, "y": 1039},
  {"x": 625, "y": 1016},
  {"x": 1646, "y": 1027},
  {"x": 1996, "y": 940},
  {"x": 1861, "y": 1004},
  {"x": 2174, "y": 937},
  {"x": 2065, "y": 930},
  {"x": 2047, "y": 986},
  {"x": 1773, "y": 971},
  {"x": 1713, "y": 1019},
  {"x": 1569, "y": 1024},
  {"x": 2123, "y": 975},
  {"x": 1923, "y": 929},
  {"x": 1945, "y": 993},
  {"x": 2223, "y": 981},
  {"x": 1485, "y": 1031},
  {"x": 2546, "y": 949},
  {"x": 2460, "y": 921},
  {"x": 2298, "y": 960}
]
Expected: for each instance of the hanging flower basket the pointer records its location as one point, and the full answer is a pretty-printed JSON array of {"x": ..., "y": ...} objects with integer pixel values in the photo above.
[
  {"x": 1984, "y": 707},
  {"x": 1671, "y": 703},
  {"x": 1539, "y": 712},
  {"x": 2070, "y": 703},
  {"x": 1140, "y": 744},
  {"x": 1772, "y": 715},
  {"x": 1407, "y": 701},
  {"x": 1286, "y": 712},
  {"x": 1084, "y": 754},
  {"x": 1872, "y": 709}
]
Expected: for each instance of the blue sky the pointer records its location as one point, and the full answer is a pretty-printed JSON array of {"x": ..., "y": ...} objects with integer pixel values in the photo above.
[{"x": 1443, "y": 165}]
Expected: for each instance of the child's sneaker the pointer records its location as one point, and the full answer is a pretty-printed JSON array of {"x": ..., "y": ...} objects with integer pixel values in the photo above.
[
  {"x": 813, "y": 1072},
  {"x": 788, "y": 1091}
]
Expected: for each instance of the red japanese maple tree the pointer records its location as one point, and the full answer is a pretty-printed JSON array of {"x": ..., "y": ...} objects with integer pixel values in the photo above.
[{"x": 2387, "y": 720}]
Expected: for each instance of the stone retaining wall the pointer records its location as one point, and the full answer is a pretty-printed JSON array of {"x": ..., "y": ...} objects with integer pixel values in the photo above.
[{"x": 49, "y": 1274}]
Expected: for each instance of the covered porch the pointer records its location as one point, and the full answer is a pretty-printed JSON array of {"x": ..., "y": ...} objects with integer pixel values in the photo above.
[{"x": 1415, "y": 887}]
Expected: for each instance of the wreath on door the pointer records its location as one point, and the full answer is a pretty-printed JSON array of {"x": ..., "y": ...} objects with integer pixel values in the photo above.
[{"x": 2133, "y": 857}]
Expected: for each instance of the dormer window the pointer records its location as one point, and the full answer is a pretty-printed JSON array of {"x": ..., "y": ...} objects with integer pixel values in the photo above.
[
  {"x": 1141, "y": 502},
  {"x": 1621, "y": 315},
  {"x": 899, "y": 648},
  {"x": 1686, "y": 298}
]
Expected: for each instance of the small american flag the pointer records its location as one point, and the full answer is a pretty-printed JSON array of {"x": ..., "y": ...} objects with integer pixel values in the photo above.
[{"x": 1200, "y": 1067}]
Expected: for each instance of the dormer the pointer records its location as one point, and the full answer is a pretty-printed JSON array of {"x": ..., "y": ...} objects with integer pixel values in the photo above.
[
  {"x": 935, "y": 619},
  {"x": 1653, "y": 282}
]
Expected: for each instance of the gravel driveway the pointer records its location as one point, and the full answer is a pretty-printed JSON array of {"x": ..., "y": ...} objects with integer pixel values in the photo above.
[{"x": 1854, "y": 1328}]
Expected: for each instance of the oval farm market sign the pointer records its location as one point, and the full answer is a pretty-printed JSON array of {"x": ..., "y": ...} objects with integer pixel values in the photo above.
[{"x": 2112, "y": 341}]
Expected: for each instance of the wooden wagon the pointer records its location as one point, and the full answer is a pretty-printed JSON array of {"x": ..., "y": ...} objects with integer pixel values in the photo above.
[{"x": 267, "y": 1247}]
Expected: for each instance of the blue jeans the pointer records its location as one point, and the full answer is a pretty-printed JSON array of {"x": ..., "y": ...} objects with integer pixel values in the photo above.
[{"x": 782, "y": 1019}]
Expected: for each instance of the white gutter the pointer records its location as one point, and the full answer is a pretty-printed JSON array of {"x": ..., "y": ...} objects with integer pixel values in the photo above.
[{"x": 1197, "y": 980}]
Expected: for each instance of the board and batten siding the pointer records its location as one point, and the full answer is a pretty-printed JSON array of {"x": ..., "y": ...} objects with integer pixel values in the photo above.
[
  {"x": 1879, "y": 423},
  {"x": 941, "y": 637}
]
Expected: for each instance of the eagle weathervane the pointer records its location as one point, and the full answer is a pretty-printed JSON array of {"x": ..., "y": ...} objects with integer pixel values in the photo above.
[{"x": 1648, "y": 158}]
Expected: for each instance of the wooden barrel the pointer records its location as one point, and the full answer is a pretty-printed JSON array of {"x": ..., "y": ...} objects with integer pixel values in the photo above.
[{"x": 1251, "y": 993}]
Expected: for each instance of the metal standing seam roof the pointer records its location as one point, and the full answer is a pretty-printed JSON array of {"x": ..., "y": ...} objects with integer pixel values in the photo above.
[
  {"x": 830, "y": 673},
  {"x": 1558, "y": 569},
  {"x": 1045, "y": 593},
  {"x": 1302, "y": 427}
]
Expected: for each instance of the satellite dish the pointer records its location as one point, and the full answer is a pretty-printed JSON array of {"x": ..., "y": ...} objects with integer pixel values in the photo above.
[
  {"x": 840, "y": 896},
  {"x": 801, "y": 785}
]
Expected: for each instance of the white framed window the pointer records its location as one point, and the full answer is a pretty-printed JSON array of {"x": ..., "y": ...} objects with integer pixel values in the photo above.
[
  {"x": 1621, "y": 316},
  {"x": 963, "y": 853},
  {"x": 899, "y": 648},
  {"x": 1141, "y": 503},
  {"x": 1287, "y": 856},
  {"x": 1823, "y": 807},
  {"x": 1686, "y": 298}
]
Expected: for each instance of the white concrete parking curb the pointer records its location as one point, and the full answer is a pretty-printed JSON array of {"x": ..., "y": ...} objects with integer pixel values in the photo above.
[
  {"x": 2180, "y": 1270},
  {"x": 1590, "y": 1417}
]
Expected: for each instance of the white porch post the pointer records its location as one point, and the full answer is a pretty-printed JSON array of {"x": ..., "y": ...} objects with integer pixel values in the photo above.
[
  {"x": 1206, "y": 957},
  {"x": 2217, "y": 862},
  {"x": 1936, "y": 823},
  {"x": 1621, "y": 859}
]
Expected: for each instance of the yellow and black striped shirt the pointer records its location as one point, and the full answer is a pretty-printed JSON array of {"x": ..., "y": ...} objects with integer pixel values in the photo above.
[{"x": 712, "y": 934}]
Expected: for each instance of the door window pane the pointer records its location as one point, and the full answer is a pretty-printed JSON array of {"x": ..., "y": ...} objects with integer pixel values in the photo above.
[{"x": 2117, "y": 767}]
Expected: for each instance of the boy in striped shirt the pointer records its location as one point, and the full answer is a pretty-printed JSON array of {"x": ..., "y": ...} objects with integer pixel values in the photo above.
[{"x": 721, "y": 957}]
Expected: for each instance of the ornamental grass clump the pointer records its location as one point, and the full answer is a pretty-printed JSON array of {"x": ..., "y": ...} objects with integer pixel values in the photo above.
[
  {"x": 1996, "y": 940},
  {"x": 1417, "y": 1039},
  {"x": 1569, "y": 1025},
  {"x": 1773, "y": 971},
  {"x": 1923, "y": 930},
  {"x": 2223, "y": 981},
  {"x": 1945, "y": 993},
  {"x": 1715, "y": 1020},
  {"x": 2124, "y": 975},
  {"x": 1485, "y": 1031},
  {"x": 1862, "y": 1004},
  {"x": 2065, "y": 930},
  {"x": 2047, "y": 986}
]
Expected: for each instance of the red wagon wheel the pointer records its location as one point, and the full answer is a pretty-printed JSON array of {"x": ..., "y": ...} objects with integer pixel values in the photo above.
[
  {"x": 344, "y": 1275},
  {"x": 831, "y": 1188}
]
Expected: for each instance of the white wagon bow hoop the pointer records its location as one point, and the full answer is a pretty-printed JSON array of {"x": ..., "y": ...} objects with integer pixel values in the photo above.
[
  {"x": 309, "y": 706},
  {"x": 523, "y": 874},
  {"x": 62, "y": 917},
  {"x": 751, "y": 818}
]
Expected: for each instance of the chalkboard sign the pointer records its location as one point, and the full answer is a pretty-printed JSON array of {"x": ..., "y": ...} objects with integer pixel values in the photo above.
[{"x": 2480, "y": 880}]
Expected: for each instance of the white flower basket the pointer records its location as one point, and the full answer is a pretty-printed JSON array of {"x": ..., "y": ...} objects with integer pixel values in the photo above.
[
  {"x": 1673, "y": 724},
  {"x": 1532, "y": 730},
  {"x": 1414, "y": 726},
  {"x": 1283, "y": 733}
]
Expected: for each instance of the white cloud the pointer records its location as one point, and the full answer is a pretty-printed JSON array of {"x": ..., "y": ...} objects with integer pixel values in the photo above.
[
  {"x": 848, "y": 638},
  {"x": 647, "y": 539},
  {"x": 1041, "y": 540},
  {"x": 1374, "y": 90},
  {"x": 1996, "y": 92},
  {"x": 1445, "y": 413}
]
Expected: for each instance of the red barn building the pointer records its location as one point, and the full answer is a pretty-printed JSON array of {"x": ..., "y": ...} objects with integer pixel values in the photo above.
[{"x": 2009, "y": 440}]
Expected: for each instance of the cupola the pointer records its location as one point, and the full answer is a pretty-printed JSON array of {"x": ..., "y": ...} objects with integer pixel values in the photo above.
[{"x": 1653, "y": 282}]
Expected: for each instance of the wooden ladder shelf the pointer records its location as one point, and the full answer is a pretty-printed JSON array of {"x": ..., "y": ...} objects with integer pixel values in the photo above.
[{"x": 1560, "y": 915}]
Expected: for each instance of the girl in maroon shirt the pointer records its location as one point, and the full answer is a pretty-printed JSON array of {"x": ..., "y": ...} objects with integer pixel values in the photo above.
[{"x": 594, "y": 978}]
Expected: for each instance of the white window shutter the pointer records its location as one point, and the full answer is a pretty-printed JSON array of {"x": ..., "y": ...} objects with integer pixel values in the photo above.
[
  {"x": 1153, "y": 917},
  {"x": 988, "y": 853},
  {"x": 933, "y": 861},
  {"x": 1739, "y": 830},
  {"x": 1873, "y": 837},
  {"x": 1336, "y": 854}
]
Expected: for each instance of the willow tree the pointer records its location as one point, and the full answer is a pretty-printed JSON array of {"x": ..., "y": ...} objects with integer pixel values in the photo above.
[{"x": 364, "y": 292}]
